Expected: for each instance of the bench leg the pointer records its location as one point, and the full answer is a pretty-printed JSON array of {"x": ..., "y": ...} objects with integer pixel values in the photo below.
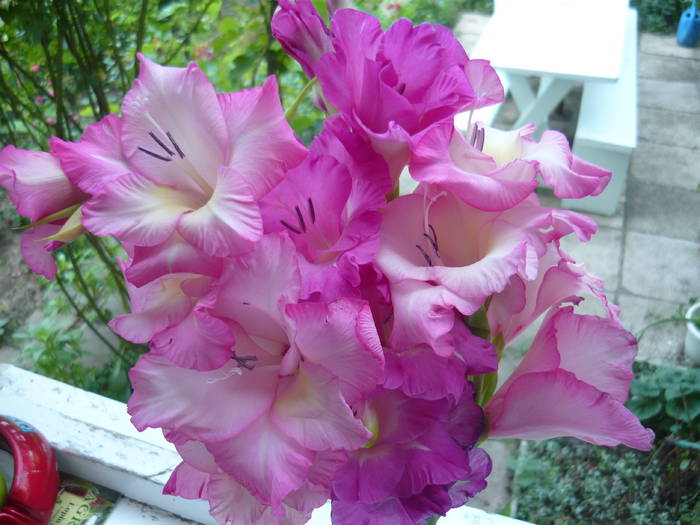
[
  {"x": 617, "y": 162},
  {"x": 533, "y": 108}
]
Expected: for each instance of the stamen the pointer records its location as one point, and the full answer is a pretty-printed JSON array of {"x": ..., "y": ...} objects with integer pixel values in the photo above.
[
  {"x": 235, "y": 371},
  {"x": 435, "y": 244},
  {"x": 480, "y": 139},
  {"x": 425, "y": 255},
  {"x": 302, "y": 224},
  {"x": 159, "y": 157},
  {"x": 289, "y": 226},
  {"x": 243, "y": 361},
  {"x": 161, "y": 144},
  {"x": 177, "y": 148},
  {"x": 472, "y": 135},
  {"x": 312, "y": 212}
]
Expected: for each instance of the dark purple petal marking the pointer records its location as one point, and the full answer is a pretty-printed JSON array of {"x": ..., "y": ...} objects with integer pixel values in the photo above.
[
  {"x": 161, "y": 143},
  {"x": 302, "y": 224},
  {"x": 425, "y": 255},
  {"x": 159, "y": 157},
  {"x": 312, "y": 212},
  {"x": 289, "y": 226},
  {"x": 242, "y": 362},
  {"x": 435, "y": 244},
  {"x": 177, "y": 148}
]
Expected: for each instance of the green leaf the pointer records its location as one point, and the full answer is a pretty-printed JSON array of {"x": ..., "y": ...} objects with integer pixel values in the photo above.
[
  {"x": 645, "y": 408},
  {"x": 685, "y": 408}
]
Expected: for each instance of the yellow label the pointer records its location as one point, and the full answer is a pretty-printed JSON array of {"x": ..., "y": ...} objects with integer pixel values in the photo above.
[{"x": 71, "y": 509}]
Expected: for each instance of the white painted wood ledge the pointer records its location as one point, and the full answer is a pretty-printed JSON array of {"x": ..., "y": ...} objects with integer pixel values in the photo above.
[{"x": 95, "y": 440}]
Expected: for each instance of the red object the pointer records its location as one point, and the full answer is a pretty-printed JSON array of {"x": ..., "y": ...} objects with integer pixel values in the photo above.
[{"x": 34, "y": 487}]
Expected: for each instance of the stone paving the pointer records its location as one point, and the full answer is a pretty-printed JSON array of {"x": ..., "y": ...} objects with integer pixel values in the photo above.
[{"x": 649, "y": 251}]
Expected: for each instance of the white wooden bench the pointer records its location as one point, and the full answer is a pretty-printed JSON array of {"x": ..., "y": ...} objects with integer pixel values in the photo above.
[{"x": 606, "y": 133}]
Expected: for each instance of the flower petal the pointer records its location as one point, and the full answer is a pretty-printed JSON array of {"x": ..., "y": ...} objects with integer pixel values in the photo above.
[
  {"x": 341, "y": 338},
  {"x": 180, "y": 102},
  {"x": 135, "y": 210},
  {"x": 229, "y": 223},
  {"x": 312, "y": 411},
  {"x": 544, "y": 405},
  {"x": 35, "y": 182},
  {"x": 171, "y": 397},
  {"x": 96, "y": 158},
  {"x": 264, "y": 460},
  {"x": 264, "y": 144}
]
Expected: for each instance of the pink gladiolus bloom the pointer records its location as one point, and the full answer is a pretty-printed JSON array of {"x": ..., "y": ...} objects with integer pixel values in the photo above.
[
  {"x": 573, "y": 381},
  {"x": 38, "y": 188},
  {"x": 184, "y": 160},
  {"x": 328, "y": 205},
  {"x": 432, "y": 270},
  {"x": 296, "y": 369}
]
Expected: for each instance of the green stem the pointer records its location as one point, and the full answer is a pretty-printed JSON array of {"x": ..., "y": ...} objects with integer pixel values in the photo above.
[
  {"x": 114, "y": 272},
  {"x": 83, "y": 318},
  {"x": 184, "y": 41},
  {"x": 292, "y": 111},
  {"x": 86, "y": 290},
  {"x": 677, "y": 319},
  {"x": 140, "y": 32}
]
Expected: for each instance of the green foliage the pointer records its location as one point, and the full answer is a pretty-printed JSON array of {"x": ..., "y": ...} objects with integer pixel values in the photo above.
[
  {"x": 566, "y": 481},
  {"x": 445, "y": 12},
  {"x": 667, "y": 400},
  {"x": 659, "y": 16}
]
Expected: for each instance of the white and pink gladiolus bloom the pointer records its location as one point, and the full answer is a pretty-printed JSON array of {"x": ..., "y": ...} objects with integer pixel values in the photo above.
[{"x": 183, "y": 159}]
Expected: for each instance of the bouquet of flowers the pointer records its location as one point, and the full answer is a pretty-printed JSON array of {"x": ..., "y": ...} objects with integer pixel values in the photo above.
[{"x": 315, "y": 331}]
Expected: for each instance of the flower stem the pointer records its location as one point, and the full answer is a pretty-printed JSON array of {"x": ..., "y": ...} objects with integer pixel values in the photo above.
[
  {"x": 87, "y": 322},
  {"x": 292, "y": 111},
  {"x": 677, "y": 319},
  {"x": 114, "y": 272}
]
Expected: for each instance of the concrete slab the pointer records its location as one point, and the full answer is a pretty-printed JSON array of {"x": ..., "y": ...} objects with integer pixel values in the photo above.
[
  {"x": 662, "y": 344},
  {"x": 666, "y": 46},
  {"x": 663, "y": 210},
  {"x": 657, "y": 267},
  {"x": 669, "y": 95},
  {"x": 669, "y": 127},
  {"x": 669, "y": 68},
  {"x": 601, "y": 254},
  {"x": 497, "y": 493},
  {"x": 666, "y": 165}
]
